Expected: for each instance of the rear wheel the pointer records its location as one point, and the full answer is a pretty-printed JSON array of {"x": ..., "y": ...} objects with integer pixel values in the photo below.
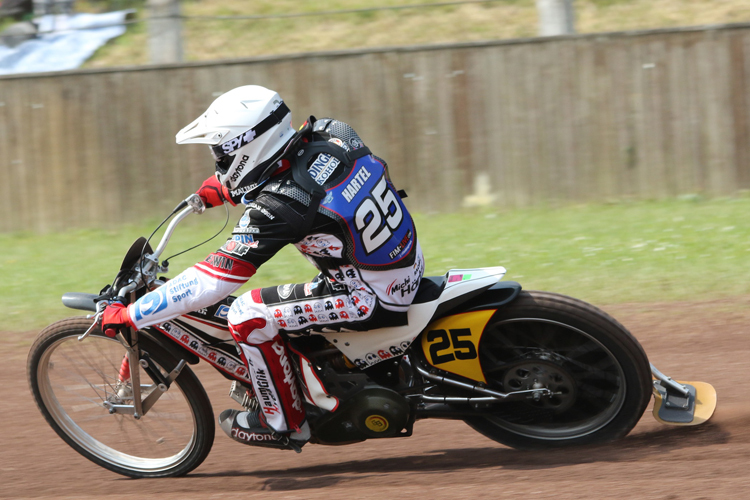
[
  {"x": 597, "y": 372},
  {"x": 73, "y": 381}
]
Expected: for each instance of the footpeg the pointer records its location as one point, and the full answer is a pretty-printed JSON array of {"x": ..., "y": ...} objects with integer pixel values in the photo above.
[{"x": 241, "y": 394}]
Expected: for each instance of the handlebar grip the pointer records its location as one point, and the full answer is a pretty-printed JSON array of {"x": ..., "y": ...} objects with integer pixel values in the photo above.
[{"x": 110, "y": 332}]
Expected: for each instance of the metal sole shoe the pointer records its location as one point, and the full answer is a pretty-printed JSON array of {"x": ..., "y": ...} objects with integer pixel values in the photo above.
[{"x": 245, "y": 427}]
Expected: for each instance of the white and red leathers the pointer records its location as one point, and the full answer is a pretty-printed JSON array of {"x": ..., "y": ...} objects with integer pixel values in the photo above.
[{"x": 370, "y": 262}]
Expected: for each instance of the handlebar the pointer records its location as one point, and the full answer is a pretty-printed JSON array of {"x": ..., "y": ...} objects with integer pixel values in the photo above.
[
  {"x": 149, "y": 267},
  {"x": 195, "y": 205},
  {"x": 191, "y": 204}
]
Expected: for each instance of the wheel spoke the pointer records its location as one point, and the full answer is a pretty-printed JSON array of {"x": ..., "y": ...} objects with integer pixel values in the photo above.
[
  {"x": 584, "y": 376},
  {"x": 75, "y": 378}
]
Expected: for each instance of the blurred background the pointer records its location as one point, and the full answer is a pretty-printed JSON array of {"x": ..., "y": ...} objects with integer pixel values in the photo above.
[{"x": 599, "y": 148}]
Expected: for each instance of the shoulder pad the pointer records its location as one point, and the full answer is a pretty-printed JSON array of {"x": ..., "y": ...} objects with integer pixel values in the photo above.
[
  {"x": 288, "y": 188},
  {"x": 322, "y": 124},
  {"x": 339, "y": 130}
]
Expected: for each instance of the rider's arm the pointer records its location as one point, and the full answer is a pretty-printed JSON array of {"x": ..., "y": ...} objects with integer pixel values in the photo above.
[{"x": 258, "y": 236}]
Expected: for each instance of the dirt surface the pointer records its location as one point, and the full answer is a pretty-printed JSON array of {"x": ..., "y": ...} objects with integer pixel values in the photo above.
[{"x": 708, "y": 341}]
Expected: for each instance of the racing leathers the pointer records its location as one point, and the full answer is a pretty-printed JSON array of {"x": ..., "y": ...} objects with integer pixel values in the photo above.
[{"x": 361, "y": 239}]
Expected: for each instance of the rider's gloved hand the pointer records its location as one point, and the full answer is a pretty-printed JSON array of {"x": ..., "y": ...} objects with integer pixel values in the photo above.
[
  {"x": 213, "y": 194},
  {"x": 114, "y": 318}
]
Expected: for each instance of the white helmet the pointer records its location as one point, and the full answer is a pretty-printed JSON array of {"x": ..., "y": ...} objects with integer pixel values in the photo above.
[{"x": 247, "y": 129}]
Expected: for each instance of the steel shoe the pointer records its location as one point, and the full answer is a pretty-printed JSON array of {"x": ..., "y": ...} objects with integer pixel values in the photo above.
[{"x": 245, "y": 427}]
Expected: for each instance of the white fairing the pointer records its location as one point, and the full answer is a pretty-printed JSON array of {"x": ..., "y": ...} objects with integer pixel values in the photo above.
[{"x": 366, "y": 349}]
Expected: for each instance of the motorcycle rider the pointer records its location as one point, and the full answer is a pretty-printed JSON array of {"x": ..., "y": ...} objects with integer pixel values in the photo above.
[{"x": 319, "y": 189}]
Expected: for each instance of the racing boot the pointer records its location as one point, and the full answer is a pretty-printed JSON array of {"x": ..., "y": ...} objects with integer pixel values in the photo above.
[
  {"x": 246, "y": 427},
  {"x": 270, "y": 368}
]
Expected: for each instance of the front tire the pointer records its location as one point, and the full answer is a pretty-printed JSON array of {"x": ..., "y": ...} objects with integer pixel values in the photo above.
[
  {"x": 597, "y": 370},
  {"x": 70, "y": 381}
]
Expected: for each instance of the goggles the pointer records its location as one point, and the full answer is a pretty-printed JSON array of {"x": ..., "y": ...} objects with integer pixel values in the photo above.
[{"x": 222, "y": 150}]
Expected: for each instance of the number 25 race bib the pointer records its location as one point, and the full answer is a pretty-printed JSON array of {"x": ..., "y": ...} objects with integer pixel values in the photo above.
[{"x": 381, "y": 229}]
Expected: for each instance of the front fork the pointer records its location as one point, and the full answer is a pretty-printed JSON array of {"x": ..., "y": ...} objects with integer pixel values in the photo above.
[{"x": 128, "y": 337}]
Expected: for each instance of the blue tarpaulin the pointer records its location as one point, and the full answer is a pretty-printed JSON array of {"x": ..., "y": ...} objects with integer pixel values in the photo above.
[{"x": 65, "y": 42}]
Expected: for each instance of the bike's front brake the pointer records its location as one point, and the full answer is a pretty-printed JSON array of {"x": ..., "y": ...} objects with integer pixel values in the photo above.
[{"x": 100, "y": 306}]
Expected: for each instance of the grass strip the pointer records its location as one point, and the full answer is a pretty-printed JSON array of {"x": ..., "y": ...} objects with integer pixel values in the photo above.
[{"x": 686, "y": 249}]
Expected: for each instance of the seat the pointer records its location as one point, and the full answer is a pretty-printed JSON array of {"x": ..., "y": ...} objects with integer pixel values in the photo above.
[{"x": 429, "y": 289}]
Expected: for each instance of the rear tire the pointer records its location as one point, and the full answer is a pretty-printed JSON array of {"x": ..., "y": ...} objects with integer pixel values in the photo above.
[
  {"x": 598, "y": 371},
  {"x": 71, "y": 380}
]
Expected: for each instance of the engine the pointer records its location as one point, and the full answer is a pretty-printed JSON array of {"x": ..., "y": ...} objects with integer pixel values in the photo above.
[{"x": 369, "y": 404}]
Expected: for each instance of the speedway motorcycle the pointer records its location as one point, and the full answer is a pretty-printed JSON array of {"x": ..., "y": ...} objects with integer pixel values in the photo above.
[{"x": 527, "y": 369}]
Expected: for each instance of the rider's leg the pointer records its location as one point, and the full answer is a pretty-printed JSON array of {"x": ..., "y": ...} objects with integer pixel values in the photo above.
[
  {"x": 255, "y": 320},
  {"x": 270, "y": 367}
]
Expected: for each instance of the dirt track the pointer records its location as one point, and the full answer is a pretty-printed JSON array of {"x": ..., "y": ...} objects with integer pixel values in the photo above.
[{"x": 707, "y": 341}]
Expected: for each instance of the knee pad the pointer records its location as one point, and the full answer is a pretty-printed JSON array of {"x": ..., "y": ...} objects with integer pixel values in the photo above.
[{"x": 250, "y": 321}]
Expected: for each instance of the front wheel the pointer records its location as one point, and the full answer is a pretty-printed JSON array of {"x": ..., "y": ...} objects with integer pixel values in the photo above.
[
  {"x": 596, "y": 371},
  {"x": 73, "y": 382}
]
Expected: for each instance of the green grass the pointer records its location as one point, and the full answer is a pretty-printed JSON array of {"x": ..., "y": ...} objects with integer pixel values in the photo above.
[
  {"x": 221, "y": 39},
  {"x": 688, "y": 249}
]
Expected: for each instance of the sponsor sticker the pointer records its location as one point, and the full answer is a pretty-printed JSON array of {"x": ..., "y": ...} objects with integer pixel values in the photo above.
[
  {"x": 222, "y": 312},
  {"x": 322, "y": 168},
  {"x": 340, "y": 143},
  {"x": 285, "y": 291},
  {"x": 267, "y": 396},
  {"x": 262, "y": 210},
  {"x": 238, "y": 171},
  {"x": 403, "y": 247},
  {"x": 245, "y": 239},
  {"x": 236, "y": 248},
  {"x": 220, "y": 262},
  {"x": 244, "y": 221},
  {"x": 242, "y": 191},
  {"x": 321, "y": 245},
  {"x": 250, "y": 436},
  {"x": 238, "y": 142},
  {"x": 289, "y": 376},
  {"x": 151, "y": 303}
]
